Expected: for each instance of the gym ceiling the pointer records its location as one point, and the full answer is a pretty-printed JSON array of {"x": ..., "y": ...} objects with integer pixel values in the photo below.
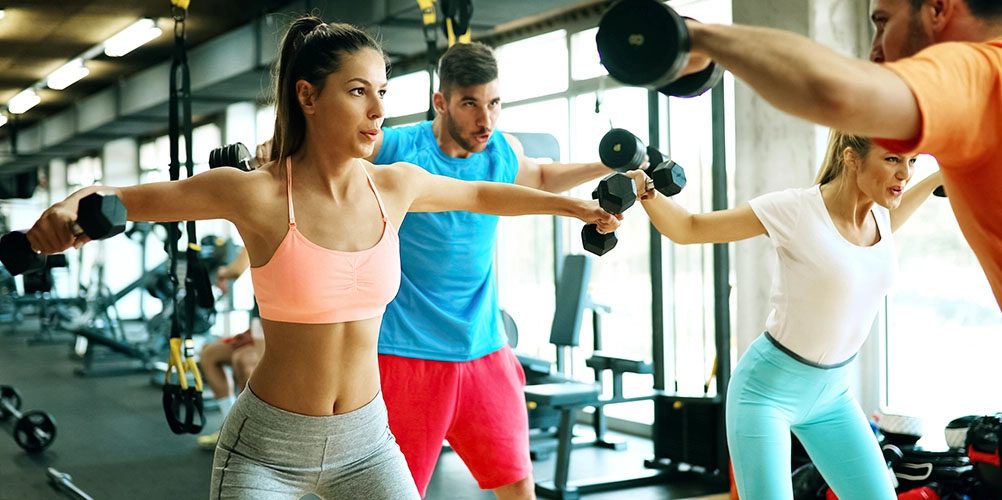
[{"x": 39, "y": 36}]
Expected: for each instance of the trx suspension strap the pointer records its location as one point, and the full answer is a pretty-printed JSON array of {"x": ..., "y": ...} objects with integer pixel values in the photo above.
[
  {"x": 182, "y": 403},
  {"x": 431, "y": 41},
  {"x": 457, "y": 15}
]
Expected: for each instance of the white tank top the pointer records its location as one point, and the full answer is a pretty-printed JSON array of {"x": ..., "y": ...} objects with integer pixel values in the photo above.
[{"x": 826, "y": 291}]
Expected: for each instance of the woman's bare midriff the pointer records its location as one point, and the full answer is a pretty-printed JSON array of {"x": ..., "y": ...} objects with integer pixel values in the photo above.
[{"x": 318, "y": 370}]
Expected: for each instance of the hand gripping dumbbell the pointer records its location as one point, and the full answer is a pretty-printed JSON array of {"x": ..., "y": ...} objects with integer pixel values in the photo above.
[
  {"x": 645, "y": 43},
  {"x": 233, "y": 155},
  {"x": 615, "y": 193},
  {"x": 99, "y": 216},
  {"x": 622, "y": 151},
  {"x": 34, "y": 430}
]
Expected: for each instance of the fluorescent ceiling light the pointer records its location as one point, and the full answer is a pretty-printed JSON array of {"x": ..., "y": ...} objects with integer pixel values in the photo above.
[
  {"x": 128, "y": 39},
  {"x": 23, "y": 101},
  {"x": 3, "y": 120},
  {"x": 67, "y": 75}
]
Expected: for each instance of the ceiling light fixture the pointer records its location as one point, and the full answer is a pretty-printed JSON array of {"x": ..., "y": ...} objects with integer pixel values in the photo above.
[
  {"x": 127, "y": 40},
  {"x": 67, "y": 75},
  {"x": 23, "y": 101},
  {"x": 3, "y": 12}
]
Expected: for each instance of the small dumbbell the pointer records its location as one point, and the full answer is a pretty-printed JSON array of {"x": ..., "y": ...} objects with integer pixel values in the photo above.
[
  {"x": 233, "y": 155},
  {"x": 34, "y": 430},
  {"x": 99, "y": 216},
  {"x": 622, "y": 151},
  {"x": 615, "y": 193}
]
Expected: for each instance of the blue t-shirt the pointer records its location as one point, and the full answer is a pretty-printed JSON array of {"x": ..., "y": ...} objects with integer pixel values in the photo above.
[{"x": 447, "y": 306}]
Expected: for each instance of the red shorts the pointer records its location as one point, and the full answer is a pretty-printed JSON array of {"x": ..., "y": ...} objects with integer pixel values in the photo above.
[{"x": 477, "y": 405}]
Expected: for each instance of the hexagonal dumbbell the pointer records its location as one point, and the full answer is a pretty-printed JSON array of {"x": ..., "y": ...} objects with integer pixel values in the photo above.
[
  {"x": 99, "y": 216},
  {"x": 615, "y": 193},
  {"x": 668, "y": 177}
]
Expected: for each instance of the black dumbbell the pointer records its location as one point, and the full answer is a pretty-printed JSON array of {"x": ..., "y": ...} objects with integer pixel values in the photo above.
[
  {"x": 99, "y": 216},
  {"x": 34, "y": 430},
  {"x": 615, "y": 193},
  {"x": 233, "y": 155},
  {"x": 645, "y": 43},
  {"x": 622, "y": 151}
]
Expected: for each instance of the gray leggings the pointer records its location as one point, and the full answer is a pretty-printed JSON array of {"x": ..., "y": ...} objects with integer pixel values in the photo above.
[{"x": 269, "y": 453}]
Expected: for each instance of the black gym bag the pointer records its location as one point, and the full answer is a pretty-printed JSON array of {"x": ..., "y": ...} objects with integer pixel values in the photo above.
[
  {"x": 983, "y": 439},
  {"x": 914, "y": 467}
]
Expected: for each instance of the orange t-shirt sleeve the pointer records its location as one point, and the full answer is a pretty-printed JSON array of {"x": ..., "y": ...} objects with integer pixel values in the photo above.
[{"x": 956, "y": 87}]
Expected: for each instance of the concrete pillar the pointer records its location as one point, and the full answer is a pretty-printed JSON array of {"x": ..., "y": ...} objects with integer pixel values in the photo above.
[{"x": 775, "y": 151}]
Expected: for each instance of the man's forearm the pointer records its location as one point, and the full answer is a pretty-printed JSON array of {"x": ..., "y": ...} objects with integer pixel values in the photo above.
[
  {"x": 811, "y": 81},
  {"x": 559, "y": 177}
]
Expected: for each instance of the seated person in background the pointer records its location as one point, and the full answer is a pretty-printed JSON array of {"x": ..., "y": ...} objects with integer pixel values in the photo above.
[{"x": 241, "y": 352}]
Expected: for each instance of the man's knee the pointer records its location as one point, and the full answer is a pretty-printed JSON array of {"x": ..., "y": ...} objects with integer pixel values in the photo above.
[
  {"x": 214, "y": 353},
  {"x": 523, "y": 489}
]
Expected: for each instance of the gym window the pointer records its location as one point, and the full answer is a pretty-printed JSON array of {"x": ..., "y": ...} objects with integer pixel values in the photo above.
[{"x": 943, "y": 325}]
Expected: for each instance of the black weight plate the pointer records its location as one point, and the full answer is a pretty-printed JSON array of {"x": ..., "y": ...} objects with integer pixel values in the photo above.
[{"x": 35, "y": 431}]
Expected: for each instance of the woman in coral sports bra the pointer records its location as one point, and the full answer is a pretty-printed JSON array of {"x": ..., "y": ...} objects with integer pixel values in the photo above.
[{"x": 320, "y": 225}]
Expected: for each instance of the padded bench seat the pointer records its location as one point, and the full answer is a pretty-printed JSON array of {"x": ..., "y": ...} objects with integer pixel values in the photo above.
[
  {"x": 601, "y": 361},
  {"x": 562, "y": 394}
]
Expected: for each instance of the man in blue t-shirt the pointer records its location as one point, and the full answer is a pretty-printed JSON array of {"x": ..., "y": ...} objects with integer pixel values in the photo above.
[{"x": 446, "y": 370}]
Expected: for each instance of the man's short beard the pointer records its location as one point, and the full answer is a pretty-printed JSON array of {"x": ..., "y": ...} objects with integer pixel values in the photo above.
[
  {"x": 457, "y": 135},
  {"x": 917, "y": 38}
]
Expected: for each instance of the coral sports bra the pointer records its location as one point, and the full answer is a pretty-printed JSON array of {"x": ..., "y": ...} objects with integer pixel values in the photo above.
[{"x": 306, "y": 283}]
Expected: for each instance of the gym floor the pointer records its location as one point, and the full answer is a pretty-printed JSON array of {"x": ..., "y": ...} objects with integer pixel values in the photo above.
[{"x": 113, "y": 440}]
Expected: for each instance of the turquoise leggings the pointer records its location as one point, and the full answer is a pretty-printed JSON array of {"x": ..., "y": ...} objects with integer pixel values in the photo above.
[{"x": 770, "y": 394}]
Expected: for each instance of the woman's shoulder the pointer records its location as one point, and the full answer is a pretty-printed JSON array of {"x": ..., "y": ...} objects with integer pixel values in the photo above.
[
  {"x": 789, "y": 196},
  {"x": 254, "y": 185},
  {"x": 392, "y": 172}
]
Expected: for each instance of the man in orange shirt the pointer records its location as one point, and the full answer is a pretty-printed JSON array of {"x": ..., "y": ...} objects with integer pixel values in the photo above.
[{"x": 941, "y": 95}]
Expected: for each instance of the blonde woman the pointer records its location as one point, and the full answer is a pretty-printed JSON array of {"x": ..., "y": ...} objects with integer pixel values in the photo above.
[{"x": 837, "y": 260}]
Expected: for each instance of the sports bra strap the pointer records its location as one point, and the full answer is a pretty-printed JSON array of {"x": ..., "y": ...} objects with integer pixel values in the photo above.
[
  {"x": 288, "y": 185},
  {"x": 379, "y": 199}
]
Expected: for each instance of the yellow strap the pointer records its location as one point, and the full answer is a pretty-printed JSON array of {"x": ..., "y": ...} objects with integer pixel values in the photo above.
[
  {"x": 175, "y": 364},
  {"x": 453, "y": 38},
  {"x": 181, "y": 4},
  {"x": 427, "y": 11}
]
